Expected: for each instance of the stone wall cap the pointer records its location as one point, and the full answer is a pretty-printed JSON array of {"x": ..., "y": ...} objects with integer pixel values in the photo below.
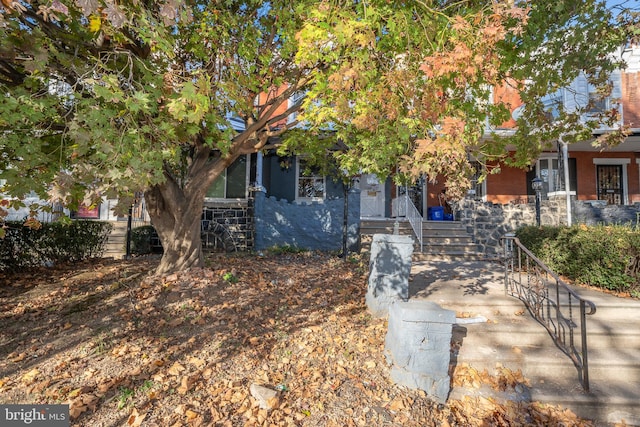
[
  {"x": 393, "y": 238},
  {"x": 420, "y": 310}
]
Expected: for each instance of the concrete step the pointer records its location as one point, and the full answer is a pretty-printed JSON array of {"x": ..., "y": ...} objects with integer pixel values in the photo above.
[
  {"x": 614, "y": 374},
  {"x": 513, "y": 339},
  {"x": 607, "y": 410},
  {"x": 441, "y": 239},
  {"x": 115, "y": 246},
  {"x": 449, "y": 248},
  {"x": 447, "y": 240}
]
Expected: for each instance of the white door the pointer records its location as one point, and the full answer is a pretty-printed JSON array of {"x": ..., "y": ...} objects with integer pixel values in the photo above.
[{"x": 371, "y": 196}]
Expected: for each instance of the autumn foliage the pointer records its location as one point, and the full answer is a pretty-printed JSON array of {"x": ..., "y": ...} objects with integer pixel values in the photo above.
[{"x": 123, "y": 348}]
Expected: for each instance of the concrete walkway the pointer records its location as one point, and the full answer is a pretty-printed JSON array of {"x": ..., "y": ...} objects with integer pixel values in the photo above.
[{"x": 497, "y": 329}]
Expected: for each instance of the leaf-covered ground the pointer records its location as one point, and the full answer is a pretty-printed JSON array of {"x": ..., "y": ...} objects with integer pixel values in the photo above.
[{"x": 125, "y": 349}]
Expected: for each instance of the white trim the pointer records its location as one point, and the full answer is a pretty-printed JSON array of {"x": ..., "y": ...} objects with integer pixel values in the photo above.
[
  {"x": 299, "y": 199},
  {"x": 604, "y": 161},
  {"x": 551, "y": 180},
  {"x": 615, "y": 162},
  {"x": 247, "y": 175},
  {"x": 560, "y": 193}
]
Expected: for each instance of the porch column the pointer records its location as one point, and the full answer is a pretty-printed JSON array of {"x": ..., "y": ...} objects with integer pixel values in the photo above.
[
  {"x": 259, "y": 162},
  {"x": 567, "y": 185}
]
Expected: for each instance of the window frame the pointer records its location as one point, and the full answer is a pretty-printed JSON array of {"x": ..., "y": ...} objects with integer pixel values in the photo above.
[
  {"x": 299, "y": 169},
  {"x": 615, "y": 161},
  {"x": 224, "y": 176},
  {"x": 551, "y": 192},
  {"x": 597, "y": 104}
]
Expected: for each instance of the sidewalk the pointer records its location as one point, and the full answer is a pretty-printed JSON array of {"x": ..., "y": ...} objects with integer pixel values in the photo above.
[{"x": 497, "y": 329}]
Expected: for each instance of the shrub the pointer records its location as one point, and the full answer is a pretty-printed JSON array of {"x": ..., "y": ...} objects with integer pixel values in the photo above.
[
  {"x": 56, "y": 242},
  {"x": 141, "y": 239},
  {"x": 603, "y": 256}
]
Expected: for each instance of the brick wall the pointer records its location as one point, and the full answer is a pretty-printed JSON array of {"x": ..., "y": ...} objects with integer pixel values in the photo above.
[{"x": 631, "y": 99}]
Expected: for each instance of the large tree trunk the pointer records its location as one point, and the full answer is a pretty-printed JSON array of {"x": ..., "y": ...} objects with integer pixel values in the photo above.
[
  {"x": 176, "y": 216},
  {"x": 175, "y": 208}
]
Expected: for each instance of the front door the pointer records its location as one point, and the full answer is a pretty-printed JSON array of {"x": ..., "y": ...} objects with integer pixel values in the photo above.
[
  {"x": 371, "y": 197},
  {"x": 610, "y": 184}
]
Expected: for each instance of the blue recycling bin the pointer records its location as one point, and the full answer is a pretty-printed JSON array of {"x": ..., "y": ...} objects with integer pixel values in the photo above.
[{"x": 435, "y": 213}]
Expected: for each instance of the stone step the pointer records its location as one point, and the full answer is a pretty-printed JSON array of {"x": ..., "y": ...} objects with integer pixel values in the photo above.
[
  {"x": 609, "y": 410},
  {"x": 446, "y": 234},
  {"x": 515, "y": 340},
  {"x": 546, "y": 361},
  {"x": 441, "y": 239},
  {"x": 447, "y": 240},
  {"x": 115, "y": 246},
  {"x": 613, "y": 376},
  {"x": 449, "y": 248}
]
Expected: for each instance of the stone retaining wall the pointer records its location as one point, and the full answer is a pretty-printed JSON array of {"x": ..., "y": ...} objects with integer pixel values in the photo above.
[
  {"x": 595, "y": 212},
  {"x": 489, "y": 222}
]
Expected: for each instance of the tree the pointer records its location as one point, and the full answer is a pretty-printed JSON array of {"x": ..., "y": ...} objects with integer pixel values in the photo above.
[
  {"x": 106, "y": 99},
  {"x": 421, "y": 107}
]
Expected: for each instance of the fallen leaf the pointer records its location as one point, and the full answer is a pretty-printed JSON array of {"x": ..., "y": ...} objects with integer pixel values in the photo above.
[
  {"x": 191, "y": 415},
  {"x": 175, "y": 369},
  {"x": 135, "y": 419},
  {"x": 30, "y": 377}
]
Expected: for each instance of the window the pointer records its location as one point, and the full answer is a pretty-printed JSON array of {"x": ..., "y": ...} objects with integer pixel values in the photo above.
[
  {"x": 295, "y": 99},
  {"x": 549, "y": 170},
  {"x": 597, "y": 103},
  {"x": 477, "y": 190},
  {"x": 310, "y": 184},
  {"x": 232, "y": 184}
]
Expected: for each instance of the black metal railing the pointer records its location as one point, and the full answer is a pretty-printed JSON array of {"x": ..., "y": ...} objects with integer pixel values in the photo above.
[{"x": 551, "y": 302}]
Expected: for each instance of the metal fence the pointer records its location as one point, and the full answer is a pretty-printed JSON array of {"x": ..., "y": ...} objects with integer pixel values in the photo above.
[{"x": 551, "y": 302}]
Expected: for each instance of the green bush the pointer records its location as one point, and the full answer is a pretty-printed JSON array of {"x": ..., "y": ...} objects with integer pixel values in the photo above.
[
  {"x": 56, "y": 242},
  {"x": 603, "y": 256},
  {"x": 141, "y": 239}
]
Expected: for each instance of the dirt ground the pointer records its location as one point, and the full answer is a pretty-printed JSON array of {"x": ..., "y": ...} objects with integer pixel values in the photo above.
[{"x": 125, "y": 348}]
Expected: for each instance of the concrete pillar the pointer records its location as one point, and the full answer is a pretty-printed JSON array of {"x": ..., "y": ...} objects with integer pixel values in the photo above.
[
  {"x": 418, "y": 346},
  {"x": 389, "y": 269}
]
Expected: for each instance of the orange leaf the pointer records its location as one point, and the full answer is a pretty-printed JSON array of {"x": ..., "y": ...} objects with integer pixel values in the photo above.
[
  {"x": 135, "y": 419},
  {"x": 191, "y": 415},
  {"x": 176, "y": 368}
]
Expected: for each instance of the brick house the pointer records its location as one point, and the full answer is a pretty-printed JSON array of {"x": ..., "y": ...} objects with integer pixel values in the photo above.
[
  {"x": 596, "y": 176},
  {"x": 611, "y": 175},
  {"x": 264, "y": 200}
]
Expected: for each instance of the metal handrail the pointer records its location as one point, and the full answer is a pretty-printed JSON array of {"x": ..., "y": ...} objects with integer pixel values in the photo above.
[
  {"x": 550, "y": 301},
  {"x": 139, "y": 216},
  {"x": 414, "y": 218}
]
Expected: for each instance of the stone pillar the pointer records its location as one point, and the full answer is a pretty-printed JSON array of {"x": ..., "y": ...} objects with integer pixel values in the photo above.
[
  {"x": 418, "y": 346},
  {"x": 389, "y": 269}
]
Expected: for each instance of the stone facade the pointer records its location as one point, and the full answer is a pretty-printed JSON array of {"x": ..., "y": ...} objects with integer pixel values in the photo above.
[
  {"x": 489, "y": 222},
  {"x": 228, "y": 226},
  {"x": 597, "y": 212}
]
